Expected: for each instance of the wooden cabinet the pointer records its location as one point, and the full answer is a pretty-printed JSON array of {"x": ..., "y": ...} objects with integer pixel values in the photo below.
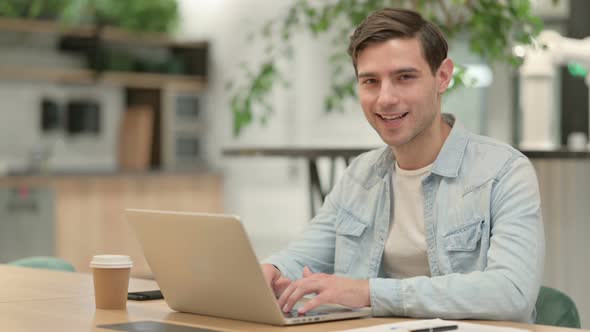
[{"x": 89, "y": 216}]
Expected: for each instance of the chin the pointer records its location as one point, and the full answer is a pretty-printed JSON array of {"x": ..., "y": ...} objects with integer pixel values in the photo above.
[
  {"x": 394, "y": 142},
  {"x": 393, "y": 139}
]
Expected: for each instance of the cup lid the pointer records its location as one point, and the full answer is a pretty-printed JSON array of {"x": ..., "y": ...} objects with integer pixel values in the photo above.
[{"x": 111, "y": 261}]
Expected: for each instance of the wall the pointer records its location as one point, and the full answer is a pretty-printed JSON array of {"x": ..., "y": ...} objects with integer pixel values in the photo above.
[
  {"x": 564, "y": 187},
  {"x": 271, "y": 194}
]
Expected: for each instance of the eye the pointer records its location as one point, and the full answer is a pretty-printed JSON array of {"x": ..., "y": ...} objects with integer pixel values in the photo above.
[
  {"x": 369, "y": 81},
  {"x": 405, "y": 77}
]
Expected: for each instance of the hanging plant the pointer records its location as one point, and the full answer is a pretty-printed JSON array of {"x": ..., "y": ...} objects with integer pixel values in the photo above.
[
  {"x": 133, "y": 15},
  {"x": 492, "y": 27}
]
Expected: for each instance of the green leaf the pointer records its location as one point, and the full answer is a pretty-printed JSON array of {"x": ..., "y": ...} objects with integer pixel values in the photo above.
[{"x": 491, "y": 27}]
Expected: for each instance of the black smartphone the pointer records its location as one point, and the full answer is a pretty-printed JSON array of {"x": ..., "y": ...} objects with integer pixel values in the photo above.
[{"x": 145, "y": 295}]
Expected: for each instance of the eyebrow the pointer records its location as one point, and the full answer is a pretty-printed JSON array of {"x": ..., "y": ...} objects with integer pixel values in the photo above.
[{"x": 395, "y": 72}]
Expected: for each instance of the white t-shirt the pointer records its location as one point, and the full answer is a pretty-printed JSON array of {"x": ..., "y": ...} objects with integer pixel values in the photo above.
[{"x": 405, "y": 250}]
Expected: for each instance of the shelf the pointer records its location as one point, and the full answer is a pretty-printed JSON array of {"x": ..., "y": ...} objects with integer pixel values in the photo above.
[
  {"x": 27, "y": 25},
  {"x": 149, "y": 80},
  {"x": 106, "y": 34},
  {"x": 47, "y": 74},
  {"x": 91, "y": 34},
  {"x": 152, "y": 39},
  {"x": 85, "y": 76}
]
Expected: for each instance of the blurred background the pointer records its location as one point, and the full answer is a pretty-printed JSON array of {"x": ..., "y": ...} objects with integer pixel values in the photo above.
[{"x": 224, "y": 106}]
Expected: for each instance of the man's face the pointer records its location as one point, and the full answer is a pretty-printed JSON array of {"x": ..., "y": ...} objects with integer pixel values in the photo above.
[{"x": 398, "y": 92}]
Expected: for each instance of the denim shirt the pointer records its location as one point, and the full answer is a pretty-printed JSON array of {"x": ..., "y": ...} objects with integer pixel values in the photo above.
[{"x": 483, "y": 228}]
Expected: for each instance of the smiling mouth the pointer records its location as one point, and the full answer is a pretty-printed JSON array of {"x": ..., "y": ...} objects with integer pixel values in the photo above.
[{"x": 392, "y": 117}]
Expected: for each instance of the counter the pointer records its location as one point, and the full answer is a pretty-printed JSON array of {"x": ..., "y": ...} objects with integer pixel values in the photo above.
[{"x": 88, "y": 208}]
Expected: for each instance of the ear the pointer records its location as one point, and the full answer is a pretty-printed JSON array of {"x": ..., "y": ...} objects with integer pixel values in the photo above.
[{"x": 445, "y": 74}]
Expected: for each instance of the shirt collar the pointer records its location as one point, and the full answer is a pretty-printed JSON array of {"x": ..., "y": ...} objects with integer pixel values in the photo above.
[{"x": 449, "y": 159}]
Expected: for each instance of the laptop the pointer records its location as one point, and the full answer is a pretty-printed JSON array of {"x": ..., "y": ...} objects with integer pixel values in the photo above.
[{"x": 204, "y": 264}]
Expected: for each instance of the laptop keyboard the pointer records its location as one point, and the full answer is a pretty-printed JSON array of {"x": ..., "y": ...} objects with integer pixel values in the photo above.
[
  {"x": 310, "y": 313},
  {"x": 319, "y": 311}
]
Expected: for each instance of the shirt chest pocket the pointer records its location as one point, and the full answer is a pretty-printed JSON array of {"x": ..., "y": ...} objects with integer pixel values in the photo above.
[
  {"x": 349, "y": 233},
  {"x": 463, "y": 245}
]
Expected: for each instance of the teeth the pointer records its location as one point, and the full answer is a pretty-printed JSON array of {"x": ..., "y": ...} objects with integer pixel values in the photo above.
[{"x": 391, "y": 117}]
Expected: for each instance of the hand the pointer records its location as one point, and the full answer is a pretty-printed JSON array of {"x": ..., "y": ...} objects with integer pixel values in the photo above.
[
  {"x": 275, "y": 279},
  {"x": 329, "y": 289}
]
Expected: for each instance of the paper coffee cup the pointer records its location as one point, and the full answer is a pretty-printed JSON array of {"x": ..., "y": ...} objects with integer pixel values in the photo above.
[{"x": 111, "y": 281}]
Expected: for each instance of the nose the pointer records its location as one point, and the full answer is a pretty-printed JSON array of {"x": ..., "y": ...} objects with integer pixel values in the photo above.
[{"x": 387, "y": 96}]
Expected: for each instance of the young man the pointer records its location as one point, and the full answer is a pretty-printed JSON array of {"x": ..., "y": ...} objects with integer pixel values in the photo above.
[{"x": 440, "y": 222}]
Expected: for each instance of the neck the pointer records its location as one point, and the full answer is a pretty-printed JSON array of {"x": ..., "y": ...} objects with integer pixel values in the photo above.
[{"x": 423, "y": 149}]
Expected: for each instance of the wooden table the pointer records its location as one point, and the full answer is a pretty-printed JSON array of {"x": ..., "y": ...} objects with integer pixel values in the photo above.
[{"x": 42, "y": 300}]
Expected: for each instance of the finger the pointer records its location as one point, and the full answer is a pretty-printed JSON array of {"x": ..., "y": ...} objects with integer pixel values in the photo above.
[
  {"x": 280, "y": 286},
  {"x": 291, "y": 287},
  {"x": 295, "y": 296},
  {"x": 267, "y": 276},
  {"x": 302, "y": 289},
  {"x": 311, "y": 304},
  {"x": 271, "y": 273},
  {"x": 286, "y": 293},
  {"x": 306, "y": 272}
]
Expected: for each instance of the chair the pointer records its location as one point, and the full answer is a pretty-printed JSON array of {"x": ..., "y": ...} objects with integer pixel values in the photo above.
[
  {"x": 556, "y": 308},
  {"x": 44, "y": 262}
]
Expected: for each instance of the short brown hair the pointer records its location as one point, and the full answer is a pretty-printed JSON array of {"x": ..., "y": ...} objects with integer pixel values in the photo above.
[{"x": 391, "y": 23}]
